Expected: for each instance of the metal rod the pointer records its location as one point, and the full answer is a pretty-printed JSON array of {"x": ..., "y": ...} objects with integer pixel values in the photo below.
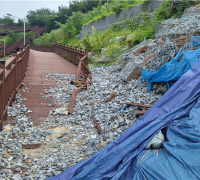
[
  {"x": 24, "y": 33},
  {"x": 99, "y": 128},
  {"x": 140, "y": 105},
  {"x": 3, "y": 88},
  {"x": 140, "y": 113},
  {"x": 71, "y": 106},
  {"x": 4, "y": 51}
]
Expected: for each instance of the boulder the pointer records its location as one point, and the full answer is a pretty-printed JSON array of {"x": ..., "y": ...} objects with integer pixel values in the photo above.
[
  {"x": 133, "y": 69},
  {"x": 120, "y": 39},
  {"x": 135, "y": 74},
  {"x": 182, "y": 40},
  {"x": 129, "y": 36},
  {"x": 90, "y": 54},
  {"x": 161, "y": 42},
  {"x": 103, "y": 50},
  {"x": 140, "y": 50},
  {"x": 111, "y": 40},
  {"x": 128, "y": 55},
  {"x": 95, "y": 59},
  {"x": 147, "y": 58}
]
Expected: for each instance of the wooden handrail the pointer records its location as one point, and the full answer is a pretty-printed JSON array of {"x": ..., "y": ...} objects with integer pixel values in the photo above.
[{"x": 11, "y": 77}]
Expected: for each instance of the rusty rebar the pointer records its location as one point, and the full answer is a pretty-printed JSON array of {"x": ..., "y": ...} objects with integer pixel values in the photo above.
[
  {"x": 99, "y": 129},
  {"x": 140, "y": 105},
  {"x": 140, "y": 113},
  {"x": 71, "y": 106}
]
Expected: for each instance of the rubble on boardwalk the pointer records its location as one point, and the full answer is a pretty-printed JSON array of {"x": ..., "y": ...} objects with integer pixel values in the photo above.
[
  {"x": 67, "y": 139},
  {"x": 77, "y": 138}
]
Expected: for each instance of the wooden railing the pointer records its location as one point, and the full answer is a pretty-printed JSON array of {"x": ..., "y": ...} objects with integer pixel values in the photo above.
[
  {"x": 14, "y": 46},
  {"x": 37, "y": 30},
  {"x": 11, "y": 76},
  {"x": 19, "y": 28}
]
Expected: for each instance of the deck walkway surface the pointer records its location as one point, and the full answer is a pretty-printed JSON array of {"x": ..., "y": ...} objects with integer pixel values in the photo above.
[{"x": 41, "y": 63}]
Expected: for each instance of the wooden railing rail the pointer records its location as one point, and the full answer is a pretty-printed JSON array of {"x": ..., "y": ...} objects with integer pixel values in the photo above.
[
  {"x": 37, "y": 30},
  {"x": 11, "y": 75},
  {"x": 14, "y": 46}
]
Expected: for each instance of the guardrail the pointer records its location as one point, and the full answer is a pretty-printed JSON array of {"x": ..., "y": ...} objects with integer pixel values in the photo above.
[
  {"x": 11, "y": 75},
  {"x": 11, "y": 27},
  {"x": 36, "y": 29},
  {"x": 14, "y": 46}
]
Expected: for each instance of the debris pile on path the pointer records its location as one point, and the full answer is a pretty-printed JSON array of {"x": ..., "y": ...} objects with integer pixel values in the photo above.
[
  {"x": 62, "y": 140},
  {"x": 68, "y": 139}
]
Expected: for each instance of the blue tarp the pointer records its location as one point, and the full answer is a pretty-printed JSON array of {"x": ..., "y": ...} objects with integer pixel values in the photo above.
[
  {"x": 173, "y": 70},
  {"x": 177, "y": 114}
]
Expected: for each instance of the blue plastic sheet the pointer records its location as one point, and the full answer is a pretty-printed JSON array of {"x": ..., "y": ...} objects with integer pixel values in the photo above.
[
  {"x": 173, "y": 70},
  {"x": 177, "y": 115},
  {"x": 122, "y": 108}
]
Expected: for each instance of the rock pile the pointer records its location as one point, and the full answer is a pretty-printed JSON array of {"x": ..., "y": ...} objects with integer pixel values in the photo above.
[
  {"x": 68, "y": 139},
  {"x": 29, "y": 151},
  {"x": 171, "y": 35}
]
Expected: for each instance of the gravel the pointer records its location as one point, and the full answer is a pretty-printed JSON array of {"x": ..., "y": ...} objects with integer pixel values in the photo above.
[{"x": 67, "y": 139}]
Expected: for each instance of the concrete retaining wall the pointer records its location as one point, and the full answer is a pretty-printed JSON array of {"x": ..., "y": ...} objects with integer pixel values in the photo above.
[{"x": 106, "y": 22}]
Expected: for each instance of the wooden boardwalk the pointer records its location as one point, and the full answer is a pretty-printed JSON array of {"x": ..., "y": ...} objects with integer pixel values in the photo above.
[{"x": 41, "y": 63}]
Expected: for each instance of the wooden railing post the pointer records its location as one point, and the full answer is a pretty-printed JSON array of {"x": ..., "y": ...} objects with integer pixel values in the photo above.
[
  {"x": 21, "y": 52},
  {"x": 14, "y": 53},
  {"x": 2, "y": 91}
]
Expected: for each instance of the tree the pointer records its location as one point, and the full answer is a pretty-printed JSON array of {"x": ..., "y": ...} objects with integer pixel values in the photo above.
[
  {"x": 39, "y": 17},
  {"x": 7, "y": 20},
  {"x": 31, "y": 36},
  {"x": 20, "y": 23},
  {"x": 13, "y": 37}
]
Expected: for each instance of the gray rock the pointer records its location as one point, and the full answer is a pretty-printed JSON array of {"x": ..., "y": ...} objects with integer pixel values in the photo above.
[
  {"x": 129, "y": 36},
  {"x": 90, "y": 54},
  {"x": 120, "y": 39}
]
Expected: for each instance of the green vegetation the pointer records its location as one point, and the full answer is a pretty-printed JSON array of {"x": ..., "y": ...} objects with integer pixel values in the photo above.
[
  {"x": 139, "y": 26},
  {"x": 12, "y": 37},
  {"x": 142, "y": 27},
  {"x": 7, "y": 20},
  {"x": 6, "y": 57},
  {"x": 67, "y": 32},
  {"x": 31, "y": 36},
  {"x": 114, "y": 6},
  {"x": 47, "y": 18}
]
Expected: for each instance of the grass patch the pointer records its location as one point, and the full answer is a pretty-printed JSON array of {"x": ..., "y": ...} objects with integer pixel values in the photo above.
[
  {"x": 108, "y": 8},
  {"x": 6, "y": 58}
]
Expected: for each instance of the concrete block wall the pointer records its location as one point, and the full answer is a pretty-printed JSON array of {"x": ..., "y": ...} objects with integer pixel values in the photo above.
[{"x": 134, "y": 11}]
